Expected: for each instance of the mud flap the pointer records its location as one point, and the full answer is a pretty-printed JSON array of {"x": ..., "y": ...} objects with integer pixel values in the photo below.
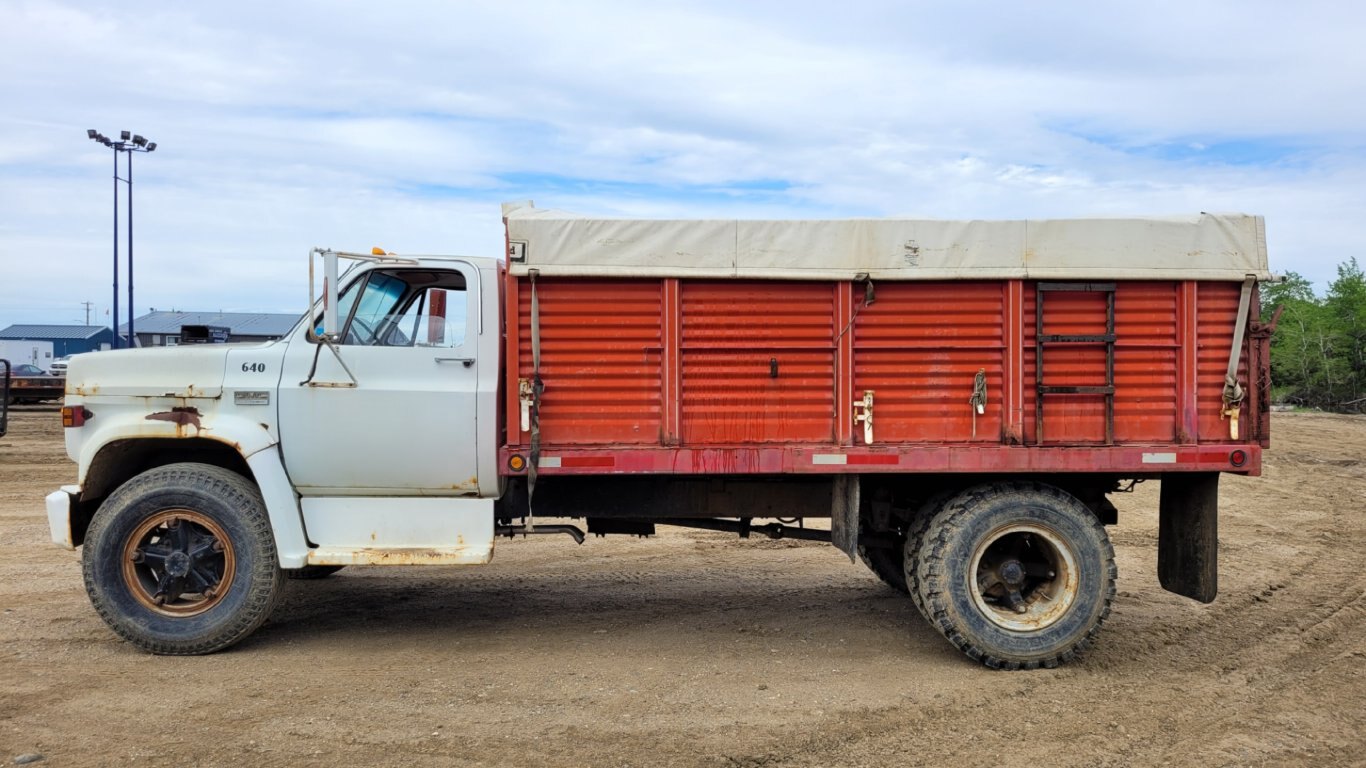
[
  {"x": 1188, "y": 535},
  {"x": 844, "y": 506}
]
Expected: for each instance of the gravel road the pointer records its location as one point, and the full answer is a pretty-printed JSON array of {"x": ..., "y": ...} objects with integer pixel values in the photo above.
[{"x": 701, "y": 649}]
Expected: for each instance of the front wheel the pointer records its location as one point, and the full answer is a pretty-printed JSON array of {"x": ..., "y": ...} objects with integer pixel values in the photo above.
[
  {"x": 181, "y": 560},
  {"x": 1016, "y": 575}
]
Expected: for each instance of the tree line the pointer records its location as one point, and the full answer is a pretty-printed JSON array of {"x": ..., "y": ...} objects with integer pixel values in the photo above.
[{"x": 1318, "y": 353}]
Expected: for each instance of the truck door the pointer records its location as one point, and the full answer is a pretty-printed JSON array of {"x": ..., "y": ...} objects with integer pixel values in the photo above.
[{"x": 407, "y": 425}]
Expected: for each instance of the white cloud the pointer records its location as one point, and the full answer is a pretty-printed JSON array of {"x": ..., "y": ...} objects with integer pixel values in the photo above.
[{"x": 283, "y": 126}]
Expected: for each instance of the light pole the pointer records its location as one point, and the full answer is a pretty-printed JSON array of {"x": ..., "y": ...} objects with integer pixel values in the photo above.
[{"x": 127, "y": 143}]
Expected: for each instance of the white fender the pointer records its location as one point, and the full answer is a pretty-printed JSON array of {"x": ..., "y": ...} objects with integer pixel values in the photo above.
[
  {"x": 291, "y": 544},
  {"x": 253, "y": 441}
]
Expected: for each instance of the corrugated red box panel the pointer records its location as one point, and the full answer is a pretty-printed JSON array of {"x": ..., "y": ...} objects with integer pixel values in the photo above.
[
  {"x": 919, "y": 347},
  {"x": 702, "y": 363},
  {"x": 1217, "y": 309},
  {"x": 758, "y": 362},
  {"x": 601, "y": 353}
]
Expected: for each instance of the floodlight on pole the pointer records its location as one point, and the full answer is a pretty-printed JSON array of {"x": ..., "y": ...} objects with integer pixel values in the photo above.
[{"x": 127, "y": 143}]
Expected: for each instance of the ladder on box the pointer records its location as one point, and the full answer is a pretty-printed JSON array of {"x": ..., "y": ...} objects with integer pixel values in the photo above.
[{"x": 1042, "y": 340}]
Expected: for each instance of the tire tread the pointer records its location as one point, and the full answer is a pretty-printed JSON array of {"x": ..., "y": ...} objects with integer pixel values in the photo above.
[
  {"x": 264, "y": 585},
  {"x": 949, "y": 523}
]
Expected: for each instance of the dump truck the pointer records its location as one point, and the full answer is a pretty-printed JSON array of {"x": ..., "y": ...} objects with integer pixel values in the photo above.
[{"x": 951, "y": 403}]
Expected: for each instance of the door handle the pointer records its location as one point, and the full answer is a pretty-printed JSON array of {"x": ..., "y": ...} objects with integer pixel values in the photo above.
[{"x": 465, "y": 361}]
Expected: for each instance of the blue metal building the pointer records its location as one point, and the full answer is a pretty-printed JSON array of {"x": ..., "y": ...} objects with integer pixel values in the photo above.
[
  {"x": 163, "y": 329},
  {"x": 66, "y": 339}
]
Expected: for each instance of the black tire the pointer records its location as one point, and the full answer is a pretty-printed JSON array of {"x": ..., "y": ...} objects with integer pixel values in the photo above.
[
  {"x": 886, "y": 562},
  {"x": 915, "y": 536},
  {"x": 181, "y": 560},
  {"x": 895, "y": 565},
  {"x": 1016, "y": 575},
  {"x": 310, "y": 572}
]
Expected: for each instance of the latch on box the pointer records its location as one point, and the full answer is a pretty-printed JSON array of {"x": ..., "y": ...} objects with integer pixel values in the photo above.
[{"x": 866, "y": 416}]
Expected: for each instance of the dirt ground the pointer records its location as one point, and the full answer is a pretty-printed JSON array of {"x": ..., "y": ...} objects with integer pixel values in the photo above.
[{"x": 701, "y": 649}]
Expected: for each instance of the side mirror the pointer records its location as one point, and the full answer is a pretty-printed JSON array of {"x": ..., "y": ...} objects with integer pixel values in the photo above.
[{"x": 330, "y": 329}]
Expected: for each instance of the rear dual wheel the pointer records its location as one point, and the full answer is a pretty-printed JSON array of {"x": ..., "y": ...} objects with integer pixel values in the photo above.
[
  {"x": 887, "y": 563},
  {"x": 895, "y": 564},
  {"x": 1016, "y": 575}
]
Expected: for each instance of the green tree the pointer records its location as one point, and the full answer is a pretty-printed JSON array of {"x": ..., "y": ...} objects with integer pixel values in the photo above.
[
  {"x": 1346, "y": 309},
  {"x": 1295, "y": 287},
  {"x": 1297, "y": 350},
  {"x": 1318, "y": 355}
]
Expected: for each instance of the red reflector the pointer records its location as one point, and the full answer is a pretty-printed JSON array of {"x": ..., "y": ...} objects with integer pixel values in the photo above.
[
  {"x": 873, "y": 458},
  {"x": 75, "y": 415},
  {"x": 1238, "y": 458},
  {"x": 599, "y": 462}
]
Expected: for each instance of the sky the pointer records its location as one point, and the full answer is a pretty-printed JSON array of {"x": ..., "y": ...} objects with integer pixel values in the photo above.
[{"x": 286, "y": 125}]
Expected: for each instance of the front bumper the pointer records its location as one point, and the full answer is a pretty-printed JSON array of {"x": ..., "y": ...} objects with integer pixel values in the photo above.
[{"x": 59, "y": 506}]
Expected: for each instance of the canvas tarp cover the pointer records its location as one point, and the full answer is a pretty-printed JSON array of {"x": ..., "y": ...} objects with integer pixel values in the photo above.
[{"x": 1200, "y": 247}]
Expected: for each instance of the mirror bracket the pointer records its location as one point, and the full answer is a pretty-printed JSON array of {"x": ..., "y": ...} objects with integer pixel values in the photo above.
[{"x": 331, "y": 325}]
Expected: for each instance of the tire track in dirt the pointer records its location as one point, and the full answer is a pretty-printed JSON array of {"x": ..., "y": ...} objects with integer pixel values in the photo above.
[
  {"x": 697, "y": 649},
  {"x": 1262, "y": 637}
]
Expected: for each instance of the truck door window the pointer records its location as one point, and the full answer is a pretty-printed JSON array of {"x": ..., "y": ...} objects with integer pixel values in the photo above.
[
  {"x": 405, "y": 308},
  {"x": 435, "y": 319}
]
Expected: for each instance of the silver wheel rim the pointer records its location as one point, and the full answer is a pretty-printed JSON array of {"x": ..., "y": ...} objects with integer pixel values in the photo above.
[{"x": 1034, "y": 563}]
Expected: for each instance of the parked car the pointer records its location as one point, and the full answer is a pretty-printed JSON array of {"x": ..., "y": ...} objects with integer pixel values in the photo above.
[
  {"x": 58, "y": 366},
  {"x": 30, "y": 384}
]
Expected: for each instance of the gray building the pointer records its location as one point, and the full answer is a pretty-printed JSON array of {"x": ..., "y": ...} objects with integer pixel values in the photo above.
[
  {"x": 66, "y": 339},
  {"x": 163, "y": 329}
]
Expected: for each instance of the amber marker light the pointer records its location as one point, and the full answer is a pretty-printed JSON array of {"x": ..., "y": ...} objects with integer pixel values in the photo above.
[
  {"x": 516, "y": 463},
  {"x": 75, "y": 416}
]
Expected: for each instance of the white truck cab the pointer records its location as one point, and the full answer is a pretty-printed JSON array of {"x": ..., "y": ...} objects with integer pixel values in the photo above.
[{"x": 374, "y": 441}]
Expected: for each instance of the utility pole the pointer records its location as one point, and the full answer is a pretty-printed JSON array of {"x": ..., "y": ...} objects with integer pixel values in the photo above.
[{"x": 87, "y": 305}]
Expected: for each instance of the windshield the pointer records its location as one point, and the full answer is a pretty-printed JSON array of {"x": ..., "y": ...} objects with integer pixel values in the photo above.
[
  {"x": 381, "y": 295},
  {"x": 404, "y": 308}
]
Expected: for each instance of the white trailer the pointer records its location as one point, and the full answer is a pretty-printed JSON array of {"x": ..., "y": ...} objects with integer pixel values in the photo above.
[{"x": 23, "y": 351}]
